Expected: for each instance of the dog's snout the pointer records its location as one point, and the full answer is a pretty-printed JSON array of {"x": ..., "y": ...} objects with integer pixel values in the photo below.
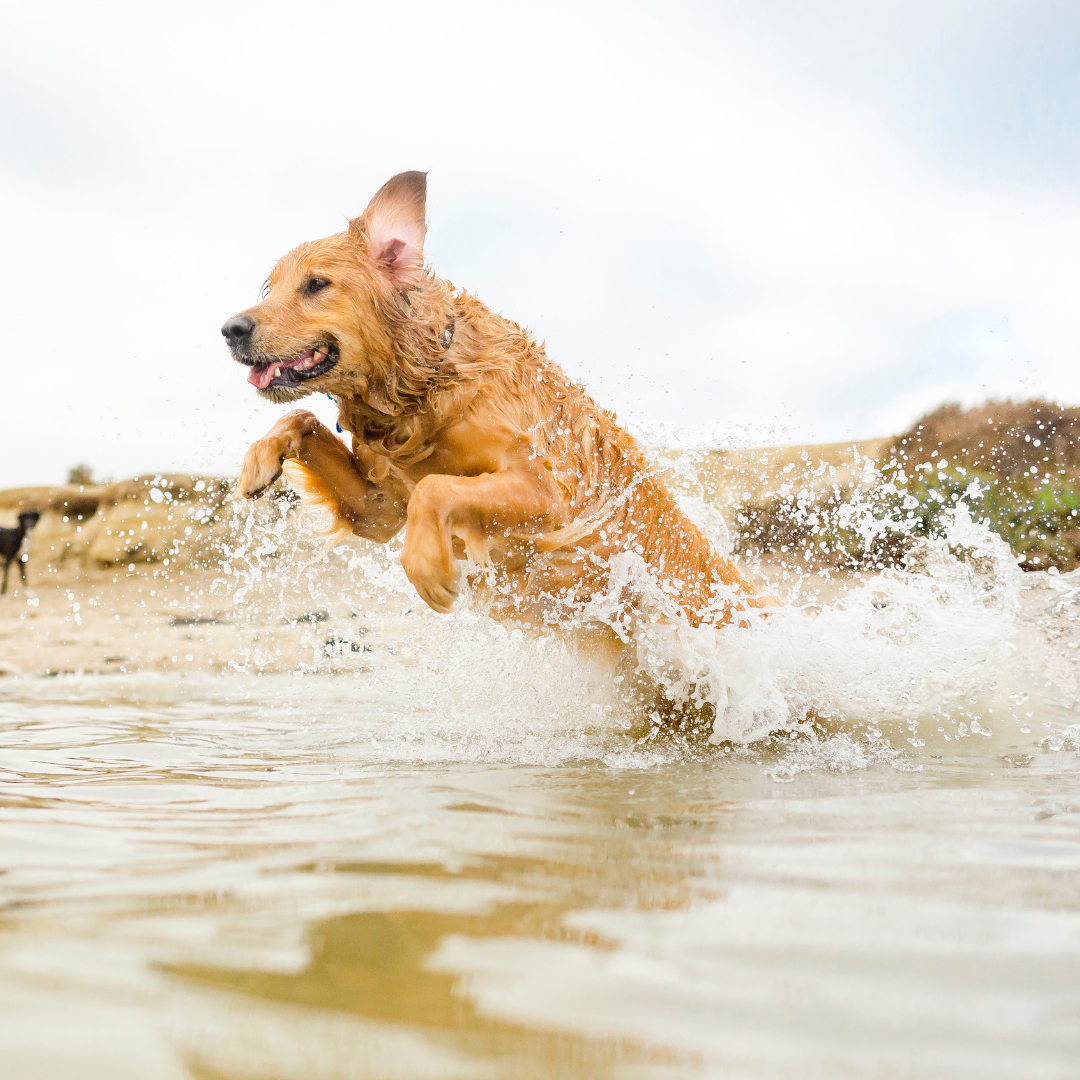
[{"x": 238, "y": 329}]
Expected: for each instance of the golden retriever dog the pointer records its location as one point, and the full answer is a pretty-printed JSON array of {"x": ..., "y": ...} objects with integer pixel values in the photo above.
[{"x": 462, "y": 431}]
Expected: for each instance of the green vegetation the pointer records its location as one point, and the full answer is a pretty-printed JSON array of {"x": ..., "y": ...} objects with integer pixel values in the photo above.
[
  {"x": 1038, "y": 518},
  {"x": 1015, "y": 466}
]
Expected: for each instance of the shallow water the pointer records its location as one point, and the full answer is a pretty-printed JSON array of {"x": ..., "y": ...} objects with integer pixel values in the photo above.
[
  {"x": 384, "y": 844},
  {"x": 283, "y": 877}
]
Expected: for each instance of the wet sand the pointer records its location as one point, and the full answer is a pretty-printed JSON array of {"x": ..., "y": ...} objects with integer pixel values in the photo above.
[{"x": 150, "y": 619}]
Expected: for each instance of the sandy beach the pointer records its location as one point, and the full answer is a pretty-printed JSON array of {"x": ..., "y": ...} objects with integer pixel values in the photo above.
[{"x": 171, "y": 573}]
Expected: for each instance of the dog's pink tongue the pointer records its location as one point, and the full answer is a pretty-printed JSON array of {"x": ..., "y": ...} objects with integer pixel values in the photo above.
[{"x": 261, "y": 378}]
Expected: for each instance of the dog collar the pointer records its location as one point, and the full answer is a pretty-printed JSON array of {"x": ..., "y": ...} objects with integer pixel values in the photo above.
[{"x": 337, "y": 423}]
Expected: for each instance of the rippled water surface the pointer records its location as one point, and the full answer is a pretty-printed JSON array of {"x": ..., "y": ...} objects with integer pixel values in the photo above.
[
  {"x": 306, "y": 829},
  {"x": 279, "y": 877}
]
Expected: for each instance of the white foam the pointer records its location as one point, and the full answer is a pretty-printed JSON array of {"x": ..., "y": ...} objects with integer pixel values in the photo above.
[{"x": 960, "y": 648}]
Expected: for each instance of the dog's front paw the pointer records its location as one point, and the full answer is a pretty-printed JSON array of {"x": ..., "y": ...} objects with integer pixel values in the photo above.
[
  {"x": 437, "y": 583},
  {"x": 262, "y": 462},
  {"x": 262, "y": 466}
]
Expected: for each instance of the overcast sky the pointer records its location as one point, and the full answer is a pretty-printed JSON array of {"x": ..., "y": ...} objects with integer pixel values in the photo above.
[{"x": 734, "y": 221}]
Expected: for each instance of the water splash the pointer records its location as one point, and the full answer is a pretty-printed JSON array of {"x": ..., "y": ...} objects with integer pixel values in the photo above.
[{"x": 959, "y": 644}]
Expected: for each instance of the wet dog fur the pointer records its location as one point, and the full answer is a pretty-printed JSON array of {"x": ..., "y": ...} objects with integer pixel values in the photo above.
[{"x": 461, "y": 430}]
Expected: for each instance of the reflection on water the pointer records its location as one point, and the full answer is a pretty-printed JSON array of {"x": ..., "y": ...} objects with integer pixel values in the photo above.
[
  {"x": 278, "y": 878},
  {"x": 378, "y": 965}
]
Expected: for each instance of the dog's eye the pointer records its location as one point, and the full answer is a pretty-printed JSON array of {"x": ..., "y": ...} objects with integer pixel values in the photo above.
[{"x": 315, "y": 284}]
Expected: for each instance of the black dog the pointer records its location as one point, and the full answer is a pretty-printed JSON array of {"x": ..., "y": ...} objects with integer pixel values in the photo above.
[{"x": 11, "y": 542}]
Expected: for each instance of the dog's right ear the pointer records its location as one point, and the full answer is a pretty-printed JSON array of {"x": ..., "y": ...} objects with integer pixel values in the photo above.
[{"x": 391, "y": 229}]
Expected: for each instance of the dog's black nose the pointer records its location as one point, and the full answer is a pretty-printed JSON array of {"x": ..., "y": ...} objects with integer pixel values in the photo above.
[{"x": 238, "y": 329}]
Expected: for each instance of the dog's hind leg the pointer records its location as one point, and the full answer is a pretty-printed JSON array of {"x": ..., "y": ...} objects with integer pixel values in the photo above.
[{"x": 7, "y": 567}]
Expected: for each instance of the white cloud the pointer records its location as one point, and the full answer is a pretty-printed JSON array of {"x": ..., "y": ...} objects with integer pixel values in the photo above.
[{"x": 728, "y": 219}]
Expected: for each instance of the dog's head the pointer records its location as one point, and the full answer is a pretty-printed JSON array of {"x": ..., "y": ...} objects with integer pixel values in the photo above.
[
  {"x": 28, "y": 519},
  {"x": 325, "y": 322}
]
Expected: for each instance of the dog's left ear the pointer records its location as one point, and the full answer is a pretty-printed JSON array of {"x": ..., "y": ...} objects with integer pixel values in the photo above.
[{"x": 392, "y": 227}]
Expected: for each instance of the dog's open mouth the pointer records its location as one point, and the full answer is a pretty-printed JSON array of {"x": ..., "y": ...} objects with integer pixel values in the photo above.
[{"x": 294, "y": 370}]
